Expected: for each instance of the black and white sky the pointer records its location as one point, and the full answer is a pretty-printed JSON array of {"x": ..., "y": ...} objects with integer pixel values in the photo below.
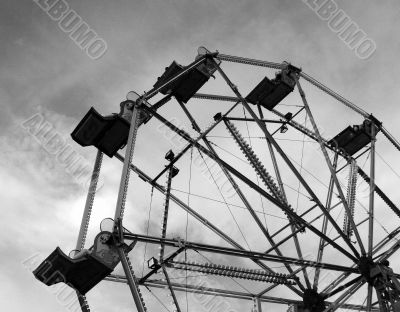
[{"x": 46, "y": 77}]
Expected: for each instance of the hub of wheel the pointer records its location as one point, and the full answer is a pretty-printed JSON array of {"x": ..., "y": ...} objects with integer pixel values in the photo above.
[
  {"x": 312, "y": 301},
  {"x": 371, "y": 270},
  {"x": 365, "y": 265}
]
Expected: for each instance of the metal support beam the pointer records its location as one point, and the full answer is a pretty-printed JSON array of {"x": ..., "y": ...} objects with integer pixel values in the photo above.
[
  {"x": 181, "y": 204},
  {"x": 339, "y": 289},
  {"x": 197, "y": 216},
  {"x": 369, "y": 298},
  {"x": 331, "y": 168},
  {"x": 171, "y": 289},
  {"x": 288, "y": 225},
  {"x": 274, "y": 286},
  {"x": 80, "y": 244},
  {"x": 325, "y": 224},
  {"x": 248, "y": 61},
  {"x": 247, "y": 204},
  {"x": 120, "y": 207},
  {"x": 237, "y": 189},
  {"x": 389, "y": 252},
  {"x": 166, "y": 210},
  {"x": 252, "y": 120},
  {"x": 187, "y": 147},
  {"x": 377, "y": 247},
  {"x": 305, "y": 131},
  {"x": 311, "y": 80},
  {"x": 296, "y": 231},
  {"x": 282, "y": 189},
  {"x": 261, "y": 191},
  {"x": 371, "y": 192},
  {"x": 124, "y": 182},
  {"x": 337, "y": 237},
  {"x": 214, "y": 97},
  {"x": 334, "y": 94},
  {"x": 131, "y": 281},
  {"x": 222, "y": 292},
  {"x": 273, "y": 158},
  {"x": 342, "y": 298},
  {"x": 235, "y": 252},
  {"x": 386, "y": 240},
  {"x": 157, "y": 267},
  {"x": 258, "y": 301},
  {"x": 379, "y": 192},
  {"x": 391, "y": 138},
  {"x": 288, "y": 162}
]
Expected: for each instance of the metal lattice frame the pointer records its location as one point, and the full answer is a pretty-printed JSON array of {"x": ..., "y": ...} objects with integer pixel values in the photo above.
[{"x": 343, "y": 287}]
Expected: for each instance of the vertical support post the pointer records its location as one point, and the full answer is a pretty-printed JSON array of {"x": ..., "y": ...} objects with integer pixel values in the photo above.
[
  {"x": 325, "y": 224},
  {"x": 166, "y": 210},
  {"x": 369, "y": 298},
  {"x": 328, "y": 162},
  {"x": 371, "y": 192},
  {"x": 371, "y": 217},
  {"x": 280, "y": 183},
  {"x": 259, "y": 309},
  {"x": 273, "y": 158},
  {"x": 131, "y": 280},
  {"x": 120, "y": 207},
  {"x": 123, "y": 186},
  {"x": 89, "y": 201},
  {"x": 178, "y": 309},
  {"x": 80, "y": 244}
]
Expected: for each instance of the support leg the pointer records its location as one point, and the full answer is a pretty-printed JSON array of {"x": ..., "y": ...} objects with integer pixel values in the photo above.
[
  {"x": 371, "y": 193},
  {"x": 123, "y": 186},
  {"x": 137, "y": 297},
  {"x": 80, "y": 244}
]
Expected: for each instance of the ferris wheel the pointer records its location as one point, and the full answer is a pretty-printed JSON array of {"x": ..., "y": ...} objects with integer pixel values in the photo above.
[{"x": 272, "y": 198}]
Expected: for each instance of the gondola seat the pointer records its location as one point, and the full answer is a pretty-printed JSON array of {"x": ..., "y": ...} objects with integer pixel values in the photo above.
[
  {"x": 185, "y": 86},
  {"x": 108, "y": 134},
  {"x": 81, "y": 273},
  {"x": 353, "y": 138},
  {"x": 269, "y": 93}
]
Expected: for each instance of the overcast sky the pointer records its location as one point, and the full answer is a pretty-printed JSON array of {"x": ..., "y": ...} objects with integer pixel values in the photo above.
[{"x": 46, "y": 76}]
